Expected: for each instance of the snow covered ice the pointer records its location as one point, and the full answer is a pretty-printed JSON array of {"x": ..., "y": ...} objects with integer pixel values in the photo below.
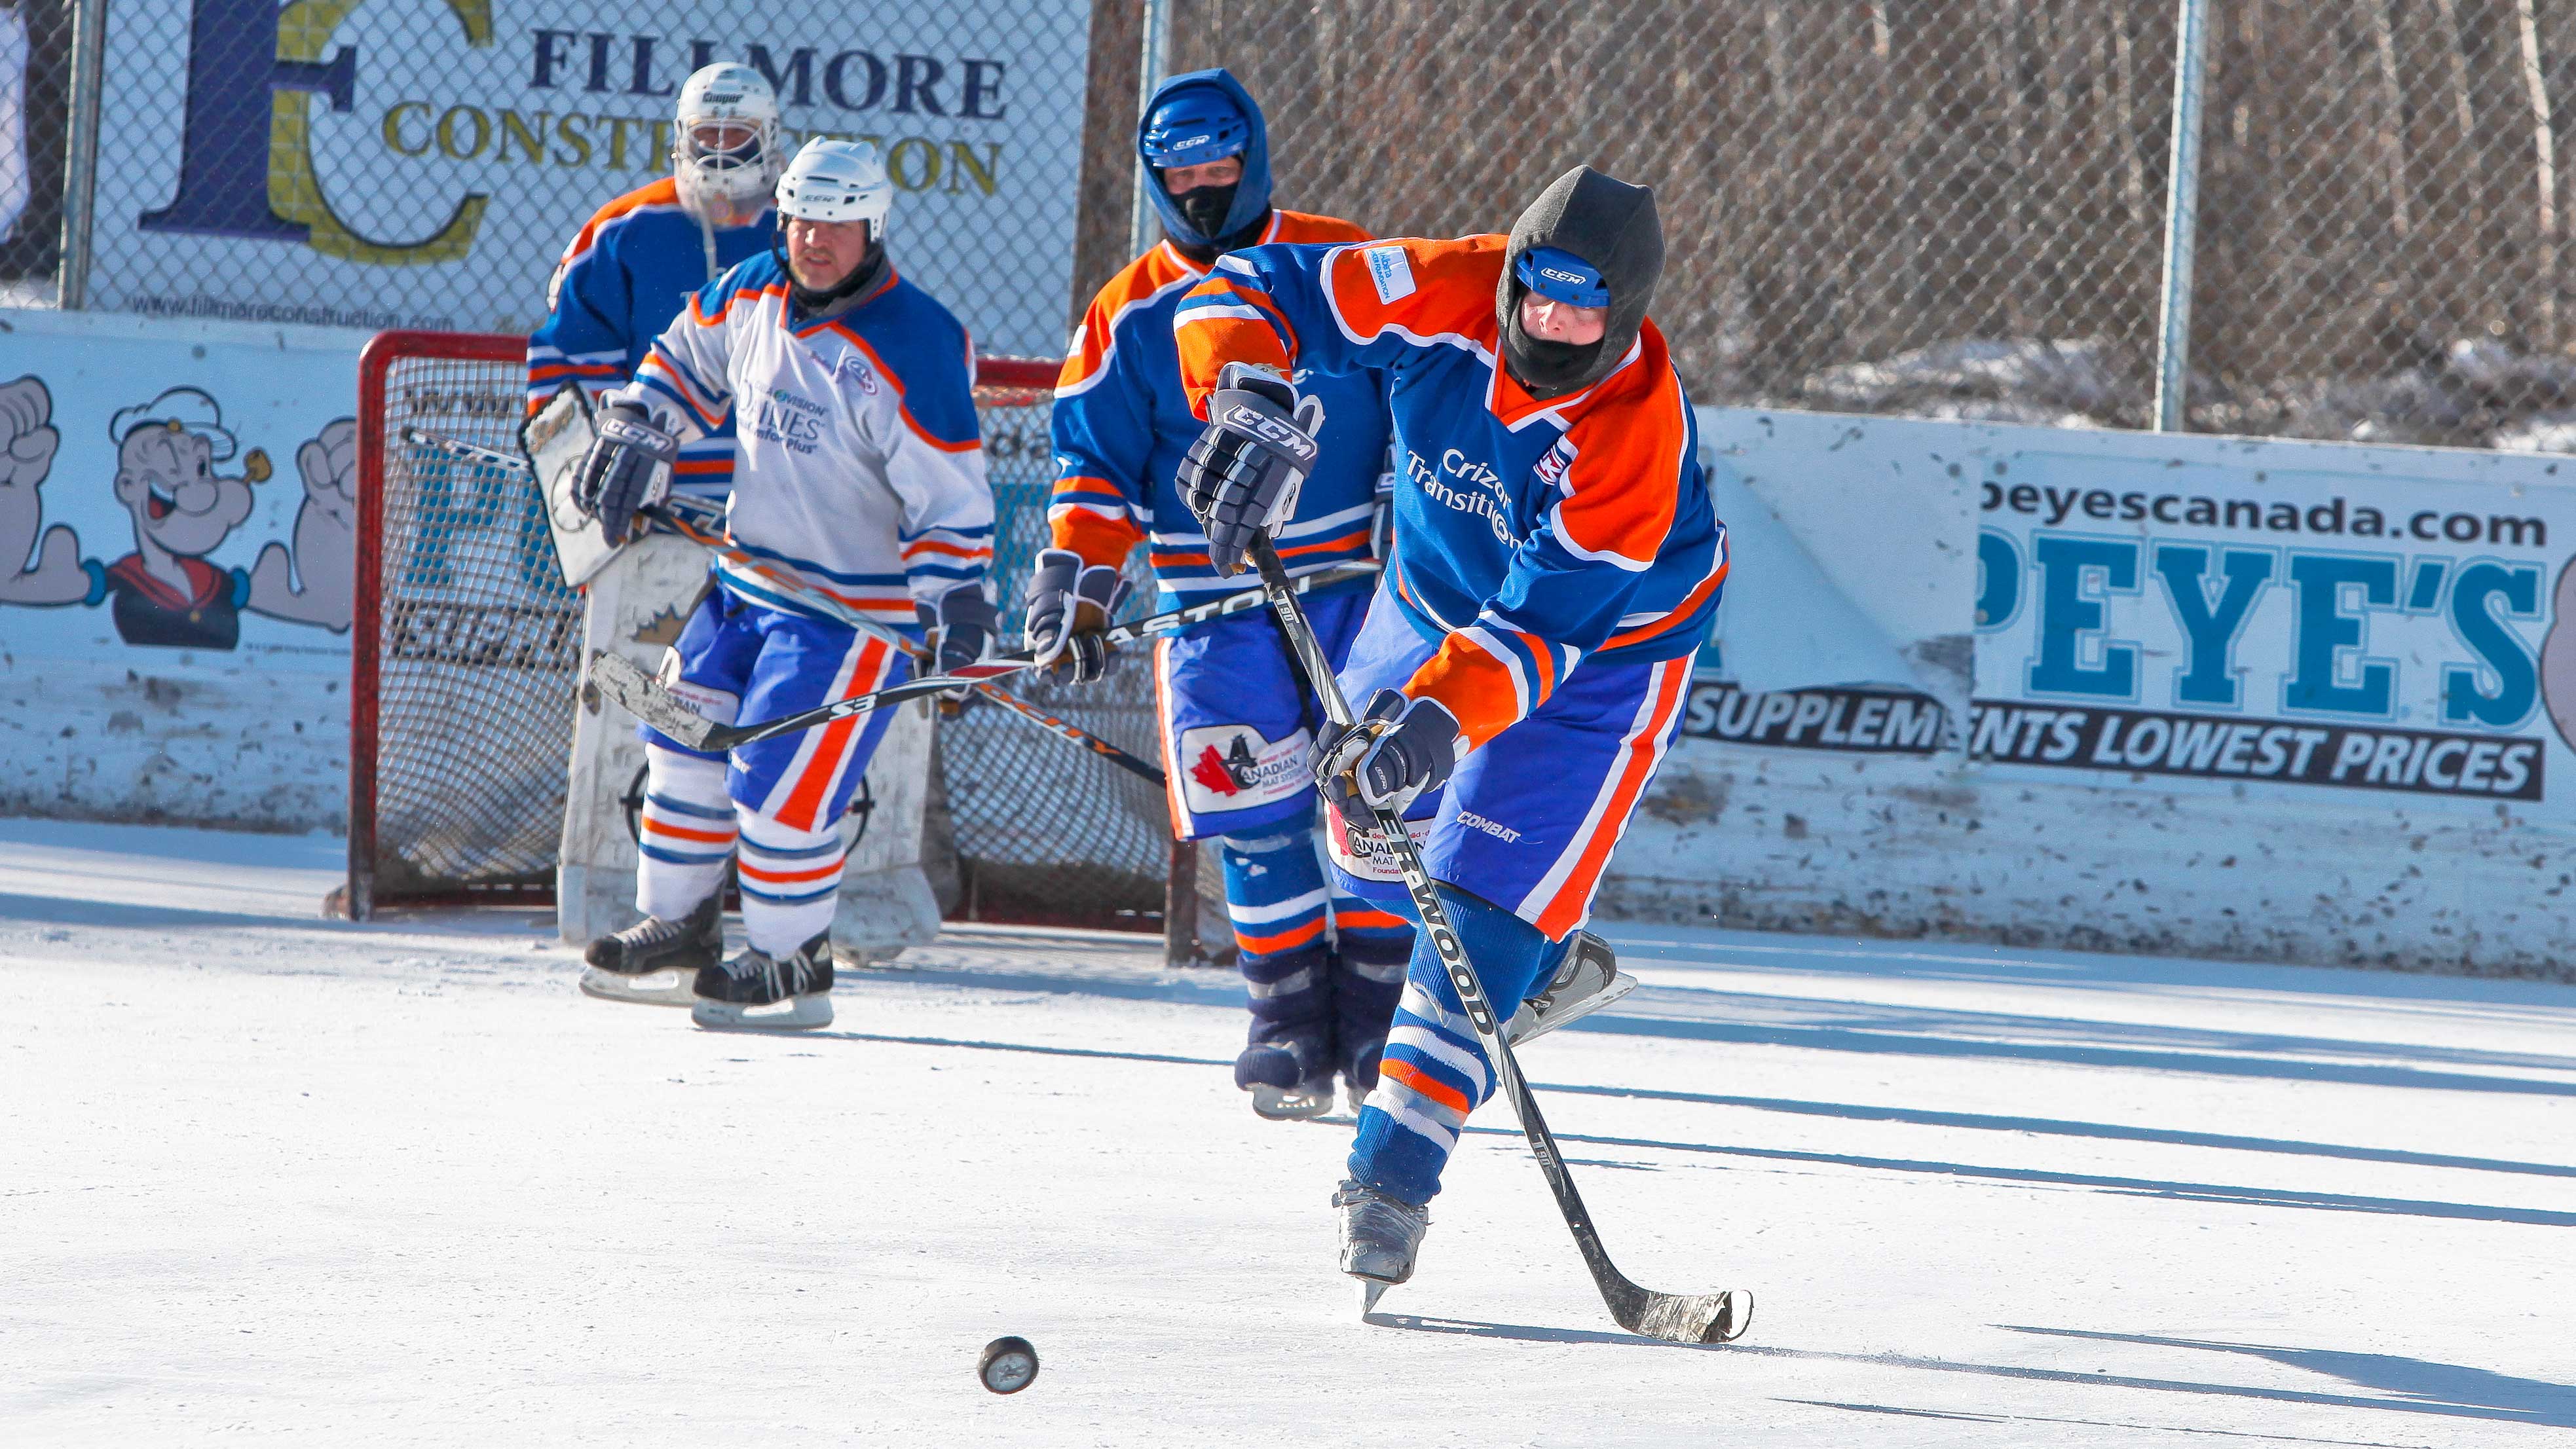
[{"x": 271, "y": 1178}]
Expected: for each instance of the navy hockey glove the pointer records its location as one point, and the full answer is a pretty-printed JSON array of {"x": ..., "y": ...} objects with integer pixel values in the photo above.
[
  {"x": 1396, "y": 752},
  {"x": 1070, "y": 604},
  {"x": 960, "y": 629},
  {"x": 627, "y": 470},
  {"x": 1242, "y": 474}
]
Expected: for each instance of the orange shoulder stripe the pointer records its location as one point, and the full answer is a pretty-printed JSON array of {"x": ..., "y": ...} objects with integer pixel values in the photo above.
[
  {"x": 664, "y": 192},
  {"x": 1135, "y": 282}
]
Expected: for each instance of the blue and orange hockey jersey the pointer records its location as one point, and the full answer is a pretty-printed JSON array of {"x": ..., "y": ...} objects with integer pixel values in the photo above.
[
  {"x": 1529, "y": 535},
  {"x": 626, "y": 274},
  {"x": 1121, "y": 426}
]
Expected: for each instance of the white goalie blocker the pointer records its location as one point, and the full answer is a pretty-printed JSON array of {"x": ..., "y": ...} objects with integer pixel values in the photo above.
[{"x": 637, "y": 597}]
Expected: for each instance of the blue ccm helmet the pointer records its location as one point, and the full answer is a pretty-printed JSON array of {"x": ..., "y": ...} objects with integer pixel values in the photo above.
[{"x": 1203, "y": 116}]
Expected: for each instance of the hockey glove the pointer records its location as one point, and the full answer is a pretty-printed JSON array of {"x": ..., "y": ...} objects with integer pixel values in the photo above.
[
  {"x": 1242, "y": 474},
  {"x": 1070, "y": 604},
  {"x": 960, "y": 629},
  {"x": 1389, "y": 757},
  {"x": 627, "y": 470}
]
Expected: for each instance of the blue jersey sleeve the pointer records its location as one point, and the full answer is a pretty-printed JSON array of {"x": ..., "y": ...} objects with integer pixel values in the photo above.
[{"x": 586, "y": 335}]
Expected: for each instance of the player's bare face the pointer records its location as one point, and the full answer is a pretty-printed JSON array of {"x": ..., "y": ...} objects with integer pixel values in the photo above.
[
  {"x": 1552, "y": 321},
  {"x": 822, "y": 254},
  {"x": 1226, "y": 172}
]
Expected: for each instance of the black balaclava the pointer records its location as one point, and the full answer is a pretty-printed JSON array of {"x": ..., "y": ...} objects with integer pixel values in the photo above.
[
  {"x": 1611, "y": 225},
  {"x": 1206, "y": 208},
  {"x": 870, "y": 271}
]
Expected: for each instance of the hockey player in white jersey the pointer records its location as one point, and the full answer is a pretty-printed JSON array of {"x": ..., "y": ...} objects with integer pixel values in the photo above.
[{"x": 861, "y": 475}]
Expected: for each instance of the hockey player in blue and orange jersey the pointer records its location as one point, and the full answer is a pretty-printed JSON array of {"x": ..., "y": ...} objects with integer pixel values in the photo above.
[
  {"x": 1556, "y": 562},
  {"x": 862, "y": 479},
  {"x": 1322, "y": 967},
  {"x": 631, "y": 269}
]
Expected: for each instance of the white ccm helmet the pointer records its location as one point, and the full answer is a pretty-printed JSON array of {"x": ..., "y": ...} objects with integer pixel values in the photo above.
[
  {"x": 726, "y": 181},
  {"x": 838, "y": 181}
]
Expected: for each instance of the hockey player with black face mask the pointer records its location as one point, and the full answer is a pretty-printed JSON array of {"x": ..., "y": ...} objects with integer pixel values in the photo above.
[
  {"x": 862, "y": 480},
  {"x": 1556, "y": 562},
  {"x": 1322, "y": 967}
]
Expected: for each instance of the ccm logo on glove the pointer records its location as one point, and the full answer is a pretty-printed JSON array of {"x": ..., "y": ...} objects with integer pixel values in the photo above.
[{"x": 1271, "y": 430}]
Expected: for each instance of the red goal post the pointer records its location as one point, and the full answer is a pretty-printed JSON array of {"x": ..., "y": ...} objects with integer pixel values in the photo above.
[{"x": 465, "y": 649}]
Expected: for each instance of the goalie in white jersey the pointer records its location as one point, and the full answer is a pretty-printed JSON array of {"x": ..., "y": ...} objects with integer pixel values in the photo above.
[{"x": 861, "y": 475}]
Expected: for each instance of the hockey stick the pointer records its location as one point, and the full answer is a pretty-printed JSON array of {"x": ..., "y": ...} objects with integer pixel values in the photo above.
[
  {"x": 688, "y": 517},
  {"x": 1064, "y": 730},
  {"x": 1703, "y": 1318},
  {"x": 658, "y": 707}
]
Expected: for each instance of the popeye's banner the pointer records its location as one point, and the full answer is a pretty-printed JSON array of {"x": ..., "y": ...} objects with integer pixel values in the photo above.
[
  {"x": 423, "y": 162},
  {"x": 2158, "y": 609}
]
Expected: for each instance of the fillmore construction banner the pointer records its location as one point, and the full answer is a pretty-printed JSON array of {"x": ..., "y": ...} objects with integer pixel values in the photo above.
[{"x": 424, "y": 162}]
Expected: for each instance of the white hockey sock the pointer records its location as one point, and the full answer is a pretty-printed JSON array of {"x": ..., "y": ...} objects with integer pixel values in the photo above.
[
  {"x": 791, "y": 882},
  {"x": 688, "y": 833}
]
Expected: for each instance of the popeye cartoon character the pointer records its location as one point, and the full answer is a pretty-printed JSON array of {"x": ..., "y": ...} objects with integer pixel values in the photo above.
[{"x": 165, "y": 592}]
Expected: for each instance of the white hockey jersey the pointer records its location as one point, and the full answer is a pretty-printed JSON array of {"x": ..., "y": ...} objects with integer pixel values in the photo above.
[{"x": 860, "y": 469}]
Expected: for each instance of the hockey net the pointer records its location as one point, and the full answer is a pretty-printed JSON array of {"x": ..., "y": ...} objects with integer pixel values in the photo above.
[{"x": 466, "y": 662}]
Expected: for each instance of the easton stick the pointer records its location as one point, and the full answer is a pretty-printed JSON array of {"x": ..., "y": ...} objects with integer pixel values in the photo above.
[
  {"x": 1702, "y": 1318},
  {"x": 1066, "y": 730},
  {"x": 658, "y": 707}
]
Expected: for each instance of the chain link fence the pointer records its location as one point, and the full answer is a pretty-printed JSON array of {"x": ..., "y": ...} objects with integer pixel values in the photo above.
[
  {"x": 1942, "y": 207},
  {"x": 1955, "y": 207},
  {"x": 1045, "y": 831},
  {"x": 35, "y": 105}
]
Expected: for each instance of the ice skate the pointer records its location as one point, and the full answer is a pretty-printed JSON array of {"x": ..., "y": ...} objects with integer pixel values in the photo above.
[
  {"x": 653, "y": 960},
  {"x": 1589, "y": 980},
  {"x": 1381, "y": 1236},
  {"x": 756, "y": 991},
  {"x": 1290, "y": 1080}
]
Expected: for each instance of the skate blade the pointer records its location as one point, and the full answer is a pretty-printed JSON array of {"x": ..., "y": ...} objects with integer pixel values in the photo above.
[
  {"x": 1534, "y": 1027},
  {"x": 653, "y": 988},
  {"x": 1371, "y": 1290},
  {"x": 1291, "y": 1104},
  {"x": 797, "y": 1013}
]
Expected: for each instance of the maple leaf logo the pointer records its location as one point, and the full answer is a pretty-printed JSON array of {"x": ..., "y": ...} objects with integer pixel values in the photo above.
[
  {"x": 1210, "y": 771},
  {"x": 663, "y": 628}
]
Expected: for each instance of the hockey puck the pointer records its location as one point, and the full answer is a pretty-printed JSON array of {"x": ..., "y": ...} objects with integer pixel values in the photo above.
[{"x": 1008, "y": 1365}]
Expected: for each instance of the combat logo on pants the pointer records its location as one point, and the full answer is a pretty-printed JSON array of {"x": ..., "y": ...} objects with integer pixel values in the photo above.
[
  {"x": 1233, "y": 767},
  {"x": 1359, "y": 850}
]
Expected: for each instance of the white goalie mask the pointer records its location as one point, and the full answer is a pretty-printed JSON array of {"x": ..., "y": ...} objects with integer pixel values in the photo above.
[
  {"x": 724, "y": 144},
  {"x": 838, "y": 181}
]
